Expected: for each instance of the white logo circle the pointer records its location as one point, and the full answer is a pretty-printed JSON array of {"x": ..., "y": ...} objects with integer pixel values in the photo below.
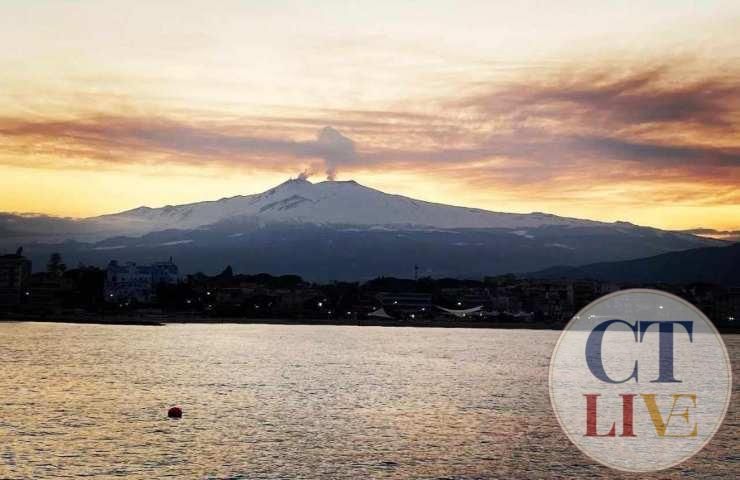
[{"x": 640, "y": 380}]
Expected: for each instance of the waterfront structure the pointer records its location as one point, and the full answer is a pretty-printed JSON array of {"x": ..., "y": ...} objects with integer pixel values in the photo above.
[
  {"x": 380, "y": 313},
  {"x": 405, "y": 304}
]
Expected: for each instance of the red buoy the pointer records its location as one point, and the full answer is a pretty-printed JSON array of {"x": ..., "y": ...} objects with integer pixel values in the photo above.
[{"x": 174, "y": 412}]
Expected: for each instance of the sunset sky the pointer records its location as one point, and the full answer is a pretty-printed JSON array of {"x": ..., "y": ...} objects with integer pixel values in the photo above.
[{"x": 579, "y": 108}]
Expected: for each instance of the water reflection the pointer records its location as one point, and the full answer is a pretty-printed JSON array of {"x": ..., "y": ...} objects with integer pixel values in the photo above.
[{"x": 265, "y": 401}]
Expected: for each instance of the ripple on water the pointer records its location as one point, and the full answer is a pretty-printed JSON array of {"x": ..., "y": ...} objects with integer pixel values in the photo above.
[{"x": 269, "y": 402}]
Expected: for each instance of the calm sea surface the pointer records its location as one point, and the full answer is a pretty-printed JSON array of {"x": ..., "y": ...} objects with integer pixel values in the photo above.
[{"x": 264, "y": 402}]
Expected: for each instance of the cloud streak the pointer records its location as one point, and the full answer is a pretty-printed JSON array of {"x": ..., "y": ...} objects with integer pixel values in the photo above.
[
  {"x": 112, "y": 139},
  {"x": 590, "y": 127},
  {"x": 604, "y": 97}
]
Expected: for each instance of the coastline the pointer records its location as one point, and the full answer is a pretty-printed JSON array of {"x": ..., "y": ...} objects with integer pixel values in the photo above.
[
  {"x": 158, "y": 321},
  {"x": 182, "y": 319}
]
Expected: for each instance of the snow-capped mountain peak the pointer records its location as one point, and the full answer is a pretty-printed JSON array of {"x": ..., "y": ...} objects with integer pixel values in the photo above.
[
  {"x": 340, "y": 230},
  {"x": 324, "y": 203}
]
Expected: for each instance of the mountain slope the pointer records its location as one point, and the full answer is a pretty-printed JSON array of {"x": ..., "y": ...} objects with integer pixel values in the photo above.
[
  {"x": 330, "y": 252},
  {"x": 719, "y": 265},
  {"x": 338, "y": 230},
  {"x": 330, "y": 202}
]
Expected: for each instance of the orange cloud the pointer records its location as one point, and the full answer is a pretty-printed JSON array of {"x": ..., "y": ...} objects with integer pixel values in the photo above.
[{"x": 651, "y": 134}]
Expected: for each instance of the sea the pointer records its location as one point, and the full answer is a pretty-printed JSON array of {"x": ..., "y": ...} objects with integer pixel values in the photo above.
[{"x": 295, "y": 402}]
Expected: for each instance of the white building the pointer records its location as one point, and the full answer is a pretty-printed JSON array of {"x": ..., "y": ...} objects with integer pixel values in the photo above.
[{"x": 137, "y": 282}]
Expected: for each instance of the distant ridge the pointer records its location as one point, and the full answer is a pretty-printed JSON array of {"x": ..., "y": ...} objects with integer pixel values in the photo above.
[
  {"x": 338, "y": 230},
  {"x": 719, "y": 265}
]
